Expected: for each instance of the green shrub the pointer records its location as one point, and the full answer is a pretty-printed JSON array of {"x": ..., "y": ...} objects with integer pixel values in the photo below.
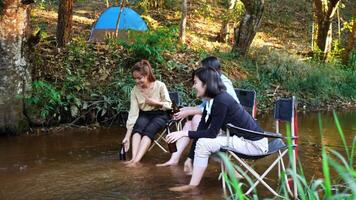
[
  {"x": 148, "y": 45},
  {"x": 44, "y": 100},
  {"x": 347, "y": 85},
  {"x": 272, "y": 73}
]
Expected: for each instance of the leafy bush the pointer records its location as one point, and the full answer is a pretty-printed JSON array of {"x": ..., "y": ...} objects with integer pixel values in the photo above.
[
  {"x": 148, "y": 45},
  {"x": 44, "y": 100},
  {"x": 277, "y": 74},
  {"x": 347, "y": 85}
]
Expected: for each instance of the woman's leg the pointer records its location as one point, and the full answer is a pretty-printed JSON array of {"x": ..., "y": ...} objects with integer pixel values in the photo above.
[
  {"x": 157, "y": 123},
  {"x": 204, "y": 148},
  {"x": 181, "y": 145},
  {"x": 136, "y": 139},
  {"x": 143, "y": 147},
  {"x": 142, "y": 121},
  {"x": 195, "y": 121}
]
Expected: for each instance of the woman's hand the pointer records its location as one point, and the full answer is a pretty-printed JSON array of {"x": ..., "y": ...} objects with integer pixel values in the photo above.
[
  {"x": 174, "y": 136},
  {"x": 126, "y": 143},
  {"x": 183, "y": 113},
  {"x": 152, "y": 101}
]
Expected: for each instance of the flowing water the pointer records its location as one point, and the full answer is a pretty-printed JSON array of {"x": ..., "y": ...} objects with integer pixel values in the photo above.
[{"x": 84, "y": 164}]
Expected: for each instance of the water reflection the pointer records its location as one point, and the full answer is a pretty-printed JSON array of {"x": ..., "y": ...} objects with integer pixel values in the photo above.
[{"x": 82, "y": 164}]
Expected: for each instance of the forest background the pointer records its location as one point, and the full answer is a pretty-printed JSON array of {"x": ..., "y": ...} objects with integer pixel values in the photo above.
[{"x": 70, "y": 80}]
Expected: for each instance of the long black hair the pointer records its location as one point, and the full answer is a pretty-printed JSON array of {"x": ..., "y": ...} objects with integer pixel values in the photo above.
[
  {"x": 211, "y": 79},
  {"x": 213, "y": 62}
]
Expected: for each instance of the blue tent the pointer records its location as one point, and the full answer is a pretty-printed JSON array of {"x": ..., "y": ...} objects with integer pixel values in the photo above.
[{"x": 105, "y": 25}]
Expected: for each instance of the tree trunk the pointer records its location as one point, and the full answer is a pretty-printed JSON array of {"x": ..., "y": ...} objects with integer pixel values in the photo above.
[
  {"x": 183, "y": 22},
  {"x": 350, "y": 50},
  {"x": 225, "y": 24},
  {"x": 323, "y": 14},
  {"x": 14, "y": 75},
  {"x": 248, "y": 26},
  {"x": 64, "y": 26}
]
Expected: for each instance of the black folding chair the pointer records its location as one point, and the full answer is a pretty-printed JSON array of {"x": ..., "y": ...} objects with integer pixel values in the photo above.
[
  {"x": 285, "y": 110},
  {"x": 247, "y": 99},
  {"x": 160, "y": 138}
]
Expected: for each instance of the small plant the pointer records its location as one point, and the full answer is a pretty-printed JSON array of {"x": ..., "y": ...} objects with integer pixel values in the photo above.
[
  {"x": 148, "y": 45},
  {"x": 44, "y": 101}
]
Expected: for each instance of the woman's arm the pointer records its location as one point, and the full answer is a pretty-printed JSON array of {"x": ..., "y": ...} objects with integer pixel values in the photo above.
[
  {"x": 217, "y": 119},
  {"x": 133, "y": 115},
  {"x": 163, "y": 100},
  {"x": 187, "y": 111},
  {"x": 218, "y": 115}
]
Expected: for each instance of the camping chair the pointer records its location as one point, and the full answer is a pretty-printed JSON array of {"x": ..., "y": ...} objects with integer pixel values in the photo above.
[
  {"x": 247, "y": 99},
  {"x": 174, "y": 96},
  {"x": 285, "y": 110}
]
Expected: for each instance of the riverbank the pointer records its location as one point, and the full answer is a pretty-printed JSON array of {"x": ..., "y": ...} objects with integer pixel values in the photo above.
[{"x": 86, "y": 83}]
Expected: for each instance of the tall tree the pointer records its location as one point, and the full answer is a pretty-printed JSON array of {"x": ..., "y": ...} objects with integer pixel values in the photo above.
[
  {"x": 323, "y": 10},
  {"x": 183, "y": 22},
  {"x": 64, "y": 26},
  {"x": 248, "y": 26},
  {"x": 225, "y": 24},
  {"x": 351, "y": 44},
  {"x": 14, "y": 75}
]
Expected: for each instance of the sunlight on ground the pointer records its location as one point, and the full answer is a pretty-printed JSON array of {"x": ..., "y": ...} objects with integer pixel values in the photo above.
[
  {"x": 53, "y": 16},
  {"x": 202, "y": 32}
]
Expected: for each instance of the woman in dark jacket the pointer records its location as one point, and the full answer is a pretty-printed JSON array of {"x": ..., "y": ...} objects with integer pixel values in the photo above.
[{"x": 220, "y": 110}]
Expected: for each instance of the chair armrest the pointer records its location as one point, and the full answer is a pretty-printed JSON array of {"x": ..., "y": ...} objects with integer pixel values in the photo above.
[{"x": 242, "y": 131}]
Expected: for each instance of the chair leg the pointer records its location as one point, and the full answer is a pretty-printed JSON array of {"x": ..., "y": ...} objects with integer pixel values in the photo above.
[
  {"x": 160, "y": 146},
  {"x": 258, "y": 177},
  {"x": 156, "y": 141}
]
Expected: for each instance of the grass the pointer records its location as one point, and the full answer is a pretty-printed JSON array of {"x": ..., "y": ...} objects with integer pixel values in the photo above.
[{"x": 339, "y": 186}]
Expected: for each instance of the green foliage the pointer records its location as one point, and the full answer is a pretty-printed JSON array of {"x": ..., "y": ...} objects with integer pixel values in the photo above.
[
  {"x": 147, "y": 5},
  {"x": 186, "y": 95},
  {"x": 1, "y": 7},
  {"x": 206, "y": 11},
  {"x": 274, "y": 73},
  {"x": 46, "y": 3},
  {"x": 335, "y": 56},
  {"x": 148, "y": 45},
  {"x": 347, "y": 84},
  {"x": 352, "y": 59},
  {"x": 114, "y": 97},
  {"x": 45, "y": 100},
  {"x": 235, "y": 13},
  {"x": 96, "y": 80}
]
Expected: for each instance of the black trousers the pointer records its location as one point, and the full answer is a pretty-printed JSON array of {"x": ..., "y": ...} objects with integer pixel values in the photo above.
[{"x": 149, "y": 123}]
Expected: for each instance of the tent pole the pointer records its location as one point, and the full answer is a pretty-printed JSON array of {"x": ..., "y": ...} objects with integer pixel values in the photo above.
[{"x": 118, "y": 19}]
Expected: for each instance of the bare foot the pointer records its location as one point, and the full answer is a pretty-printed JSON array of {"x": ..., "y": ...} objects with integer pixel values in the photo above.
[
  {"x": 183, "y": 188},
  {"x": 168, "y": 163},
  {"x": 128, "y": 162},
  {"x": 134, "y": 164}
]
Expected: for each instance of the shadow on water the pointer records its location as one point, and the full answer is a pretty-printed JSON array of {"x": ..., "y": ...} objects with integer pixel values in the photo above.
[{"x": 82, "y": 164}]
